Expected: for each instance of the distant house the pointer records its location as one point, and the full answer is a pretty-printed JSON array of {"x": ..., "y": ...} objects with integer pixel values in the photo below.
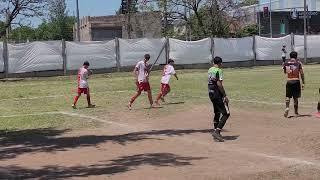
[{"x": 101, "y": 28}]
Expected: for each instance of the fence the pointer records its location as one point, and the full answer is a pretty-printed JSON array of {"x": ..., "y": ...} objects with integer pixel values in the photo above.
[{"x": 60, "y": 57}]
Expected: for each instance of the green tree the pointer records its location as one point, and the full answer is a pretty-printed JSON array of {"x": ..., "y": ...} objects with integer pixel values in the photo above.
[
  {"x": 61, "y": 25},
  {"x": 248, "y": 30},
  {"x": 22, "y": 34},
  {"x": 19, "y": 9},
  {"x": 249, "y": 2}
]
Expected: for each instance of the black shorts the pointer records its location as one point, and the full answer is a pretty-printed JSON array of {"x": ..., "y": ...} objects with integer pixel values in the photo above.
[
  {"x": 293, "y": 89},
  {"x": 218, "y": 105}
]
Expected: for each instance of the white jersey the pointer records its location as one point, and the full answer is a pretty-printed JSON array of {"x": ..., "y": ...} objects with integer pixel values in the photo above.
[
  {"x": 168, "y": 70},
  {"x": 142, "y": 71},
  {"x": 83, "y": 76}
]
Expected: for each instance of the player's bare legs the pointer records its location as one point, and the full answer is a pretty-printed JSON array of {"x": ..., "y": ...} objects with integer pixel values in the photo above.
[
  {"x": 296, "y": 106},
  {"x": 150, "y": 98},
  {"x": 286, "y": 111},
  {"x": 138, "y": 93},
  {"x": 158, "y": 98},
  {"x": 76, "y": 98},
  {"x": 89, "y": 101}
]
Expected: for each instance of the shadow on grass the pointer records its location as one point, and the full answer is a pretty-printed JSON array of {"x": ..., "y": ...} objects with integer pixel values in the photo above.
[
  {"x": 174, "y": 103},
  {"x": 15, "y": 143},
  {"x": 116, "y": 166}
]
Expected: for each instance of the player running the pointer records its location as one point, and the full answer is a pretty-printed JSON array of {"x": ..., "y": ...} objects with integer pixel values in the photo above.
[
  {"x": 83, "y": 86},
  {"x": 218, "y": 98},
  {"x": 167, "y": 72},
  {"x": 293, "y": 69},
  {"x": 141, "y": 73}
]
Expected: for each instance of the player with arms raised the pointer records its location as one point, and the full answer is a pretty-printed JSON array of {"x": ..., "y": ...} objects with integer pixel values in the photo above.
[
  {"x": 218, "y": 98},
  {"x": 293, "y": 69},
  {"x": 83, "y": 86},
  {"x": 141, "y": 74},
  {"x": 167, "y": 72}
]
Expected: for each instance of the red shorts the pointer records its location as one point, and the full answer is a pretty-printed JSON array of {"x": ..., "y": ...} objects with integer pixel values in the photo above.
[
  {"x": 83, "y": 90},
  {"x": 165, "y": 89},
  {"x": 143, "y": 86}
]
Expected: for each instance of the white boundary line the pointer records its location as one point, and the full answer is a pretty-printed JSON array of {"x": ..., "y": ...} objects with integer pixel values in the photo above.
[
  {"x": 225, "y": 147},
  {"x": 33, "y": 114},
  {"x": 97, "y": 119}
]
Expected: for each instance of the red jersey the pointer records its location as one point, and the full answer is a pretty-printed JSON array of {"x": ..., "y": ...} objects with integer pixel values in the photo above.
[{"x": 293, "y": 69}]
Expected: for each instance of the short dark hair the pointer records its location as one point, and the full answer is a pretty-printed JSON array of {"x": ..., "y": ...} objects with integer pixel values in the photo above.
[
  {"x": 147, "y": 56},
  {"x": 86, "y": 63},
  {"x": 170, "y": 61},
  {"x": 294, "y": 55},
  {"x": 217, "y": 60}
]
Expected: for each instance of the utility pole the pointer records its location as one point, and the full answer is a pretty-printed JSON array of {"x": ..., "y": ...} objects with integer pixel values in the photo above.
[
  {"x": 270, "y": 16},
  {"x": 129, "y": 18},
  {"x": 78, "y": 21},
  {"x": 259, "y": 18},
  {"x": 305, "y": 30},
  {"x": 185, "y": 14},
  {"x": 165, "y": 18},
  {"x": 7, "y": 23}
]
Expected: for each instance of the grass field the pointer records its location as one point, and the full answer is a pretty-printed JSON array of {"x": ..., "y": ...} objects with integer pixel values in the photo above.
[
  {"x": 42, "y": 137},
  {"x": 28, "y": 103}
]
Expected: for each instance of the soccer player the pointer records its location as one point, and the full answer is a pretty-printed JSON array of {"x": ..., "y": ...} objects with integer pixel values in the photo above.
[
  {"x": 293, "y": 69},
  {"x": 167, "y": 72},
  {"x": 218, "y": 97},
  {"x": 83, "y": 86},
  {"x": 141, "y": 73},
  {"x": 284, "y": 53}
]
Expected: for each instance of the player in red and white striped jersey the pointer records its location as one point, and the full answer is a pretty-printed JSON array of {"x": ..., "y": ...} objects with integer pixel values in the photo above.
[{"x": 83, "y": 86}]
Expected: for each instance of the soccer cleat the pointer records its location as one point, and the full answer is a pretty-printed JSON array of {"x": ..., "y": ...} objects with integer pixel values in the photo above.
[
  {"x": 217, "y": 136},
  {"x": 74, "y": 106},
  {"x": 91, "y": 106},
  {"x": 286, "y": 112}
]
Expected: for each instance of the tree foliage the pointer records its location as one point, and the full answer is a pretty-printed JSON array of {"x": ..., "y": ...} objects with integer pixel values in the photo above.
[
  {"x": 12, "y": 10},
  {"x": 58, "y": 26}
]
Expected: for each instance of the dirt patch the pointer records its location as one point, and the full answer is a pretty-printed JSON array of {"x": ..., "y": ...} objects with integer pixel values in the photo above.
[{"x": 258, "y": 146}]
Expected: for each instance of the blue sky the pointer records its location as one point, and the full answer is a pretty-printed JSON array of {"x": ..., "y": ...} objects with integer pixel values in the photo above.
[
  {"x": 94, "y": 7},
  {"x": 89, "y": 8}
]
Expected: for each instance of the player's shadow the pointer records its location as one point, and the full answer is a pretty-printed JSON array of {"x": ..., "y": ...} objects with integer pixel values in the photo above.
[
  {"x": 15, "y": 143},
  {"x": 230, "y": 138},
  {"x": 174, "y": 103},
  {"x": 110, "y": 167},
  {"x": 300, "y": 116}
]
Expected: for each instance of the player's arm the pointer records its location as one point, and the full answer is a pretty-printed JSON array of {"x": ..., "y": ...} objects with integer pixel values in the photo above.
[
  {"x": 136, "y": 72},
  {"x": 302, "y": 76},
  {"x": 222, "y": 91},
  {"x": 175, "y": 75}
]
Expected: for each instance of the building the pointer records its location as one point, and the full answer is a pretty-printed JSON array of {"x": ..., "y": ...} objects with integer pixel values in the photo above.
[
  {"x": 287, "y": 17},
  {"x": 102, "y": 28}
]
